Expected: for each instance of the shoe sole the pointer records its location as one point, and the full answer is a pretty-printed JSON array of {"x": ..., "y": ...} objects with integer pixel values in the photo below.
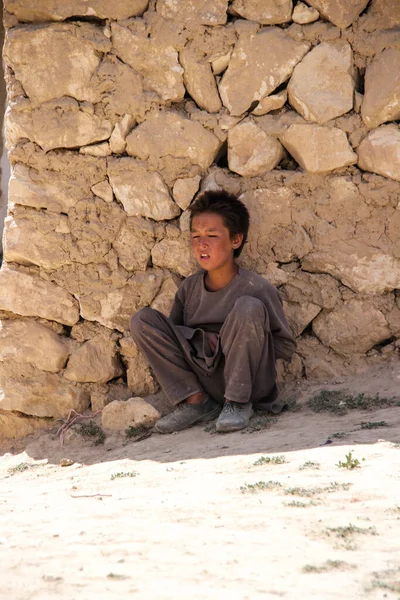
[
  {"x": 227, "y": 429},
  {"x": 203, "y": 419}
]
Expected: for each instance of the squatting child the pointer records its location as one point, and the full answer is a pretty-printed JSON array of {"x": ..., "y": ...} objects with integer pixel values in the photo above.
[{"x": 215, "y": 354}]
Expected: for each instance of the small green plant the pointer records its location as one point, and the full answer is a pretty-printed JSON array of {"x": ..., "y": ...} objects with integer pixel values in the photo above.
[
  {"x": 260, "y": 486},
  {"x": 386, "y": 580},
  {"x": 350, "y": 530},
  {"x": 350, "y": 462},
  {"x": 329, "y": 565},
  {"x": 274, "y": 460},
  {"x": 309, "y": 464},
  {"x": 210, "y": 428},
  {"x": 309, "y": 492},
  {"x": 134, "y": 432},
  {"x": 259, "y": 423},
  {"x": 339, "y": 435},
  {"x": 297, "y": 504},
  {"x": 93, "y": 431},
  {"x": 339, "y": 402},
  {"x": 20, "y": 468},
  {"x": 373, "y": 424},
  {"x": 122, "y": 474}
]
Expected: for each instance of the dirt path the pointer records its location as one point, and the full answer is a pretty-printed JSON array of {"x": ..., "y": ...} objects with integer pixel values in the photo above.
[{"x": 184, "y": 519}]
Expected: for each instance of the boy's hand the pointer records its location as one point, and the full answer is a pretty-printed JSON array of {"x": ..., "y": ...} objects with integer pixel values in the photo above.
[{"x": 212, "y": 340}]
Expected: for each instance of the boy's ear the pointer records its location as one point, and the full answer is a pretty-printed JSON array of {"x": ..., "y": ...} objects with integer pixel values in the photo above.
[{"x": 237, "y": 240}]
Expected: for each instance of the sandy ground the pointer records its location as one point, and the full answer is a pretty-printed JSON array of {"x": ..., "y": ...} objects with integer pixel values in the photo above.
[{"x": 186, "y": 524}]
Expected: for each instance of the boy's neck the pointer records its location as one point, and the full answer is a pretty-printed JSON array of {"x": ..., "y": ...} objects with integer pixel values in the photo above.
[{"x": 218, "y": 279}]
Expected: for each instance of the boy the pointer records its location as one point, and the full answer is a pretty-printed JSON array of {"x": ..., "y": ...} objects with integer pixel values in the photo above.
[{"x": 218, "y": 348}]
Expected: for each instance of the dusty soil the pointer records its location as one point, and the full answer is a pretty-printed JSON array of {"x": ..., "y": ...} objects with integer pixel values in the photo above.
[{"x": 184, "y": 521}]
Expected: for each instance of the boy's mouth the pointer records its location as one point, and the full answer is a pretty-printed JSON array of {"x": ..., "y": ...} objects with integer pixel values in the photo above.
[{"x": 204, "y": 256}]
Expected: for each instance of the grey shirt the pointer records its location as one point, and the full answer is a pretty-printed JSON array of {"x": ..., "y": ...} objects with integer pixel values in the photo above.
[{"x": 197, "y": 308}]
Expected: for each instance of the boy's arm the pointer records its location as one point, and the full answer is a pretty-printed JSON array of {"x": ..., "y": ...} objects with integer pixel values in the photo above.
[
  {"x": 176, "y": 314},
  {"x": 284, "y": 342}
]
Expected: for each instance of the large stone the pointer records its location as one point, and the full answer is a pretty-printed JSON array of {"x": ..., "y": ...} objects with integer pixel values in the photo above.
[
  {"x": 290, "y": 242},
  {"x": 103, "y": 190},
  {"x": 59, "y": 10},
  {"x": 33, "y": 392},
  {"x": 62, "y": 123},
  {"x": 28, "y": 295},
  {"x": 381, "y": 100},
  {"x": 175, "y": 255},
  {"x": 184, "y": 190},
  {"x": 28, "y": 341},
  {"x": 15, "y": 426},
  {"x": 170, "y": 134},
  {"x": 134, "y": 243},
  {"x": 95, "y": 361},
  {"x": 156, "y": 60},
  {"x": 303, "y": 288},
  {"x": 120, "y": 131},
  {"x": 55, "y": 187},
  {"x": 199, "y": 12},
  {"x": 379, "y": 152},
  {"x": 299, "y": 316},
  {"x": 251, "y": 151},
  {"x": 142, "y": 192},
  {"x": 165, "y": 298},
  {"x": 318, "y": 149},
  {"x": 113, "y": 307},
  {"x": 68, "y": 53},
  {"x": 259, "y": 64},
  {"x": 353, "y": 328},
  {"x": 119, "y": 415},
  {"x": 322, "y": 85},
  {"x": 199, "y": 81},
  {"x": 267, "y": 12},
  {"x": 362, "y": 268},
  {"x": 140, "y": 380},
  {"x": 341, "y": 13}
]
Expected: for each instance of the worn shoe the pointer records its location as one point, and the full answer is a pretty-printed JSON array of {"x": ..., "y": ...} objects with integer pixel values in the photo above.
[
  {"x": 185, "y": 415},
  {"x": 234, "y": 416}
]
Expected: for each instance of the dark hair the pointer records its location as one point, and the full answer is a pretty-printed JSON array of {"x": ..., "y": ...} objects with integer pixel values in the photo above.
[{"x": 234, "y": 213}]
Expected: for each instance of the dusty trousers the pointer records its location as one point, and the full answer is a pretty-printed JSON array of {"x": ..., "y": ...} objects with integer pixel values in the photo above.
[{"x": 240, "y": 369}]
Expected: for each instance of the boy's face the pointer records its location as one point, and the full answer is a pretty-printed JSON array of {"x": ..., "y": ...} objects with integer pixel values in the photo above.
[{"x": 212, "y": 243}]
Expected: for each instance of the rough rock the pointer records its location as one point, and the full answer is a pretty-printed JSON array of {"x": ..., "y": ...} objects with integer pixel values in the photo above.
[
  {"x": 103, "y": 394},
  {"x": 290, "y": 242},
  {"x": 170, "y": 134},
  {"x": 59, "y": 10},
  {"x": 200, "y": 81},
  {"x": 341, "y": 13},
  {"x": 363, "y": 269},
  {"x": 102, "y": 149},
  {"x": 119, "y": 415},
  {"x": 322, "y": 85},
  {"x": 259, "y": 64},
  {"x": 379, "y": 152},
  {"x": 220, "y": 63},
  {"x": 68, "y": 124},
  {"x": 103, "y": 190},
  {"x": 140, "y": 380},
  {"x": 156, "y": 60},
  {"x": 269, "y": 103},
  {"x": 353, "y": 328},
  {"x": 28, "y": 341},
  {"x": 381, "y": 100},
  {"x": 165, "y": 298},
  {"x": 141, "y": 192},
  {"x": 318, "y": 149},
  {"x": 266, "y": 12},
  {"x": 56, "y": 49},
  {"x": 31, "y": 296},
  {"x": 175, "y": 255},
  {"x": 15, "y": 425},
  {"x": 303, "y": 14},
  {"x": 120, "y": 131},
  {"x": 95, "y": 361},
  {"x": 199, "y": 12},
  {"x": 184, "y": 190},
  {"x": 299, "y": 316},
  {"x": 33, "y": 392},
  {"x": 113, "y": 306},
  {"x": 54, "y": 181},
  {"x": 251, "y": 151},
  {"x": 303, "y": 288},
  {"x": 134, "y": 243}
]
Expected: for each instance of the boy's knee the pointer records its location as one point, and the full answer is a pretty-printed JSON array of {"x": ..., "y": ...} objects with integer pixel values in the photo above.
[
  {"x": 144, "y": 316},
  {"x": 249, "y": 307}
]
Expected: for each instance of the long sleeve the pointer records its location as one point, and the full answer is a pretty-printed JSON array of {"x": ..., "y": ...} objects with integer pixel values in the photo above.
[
  {"x": 176, "y": 314},
  {"x": 284, "y": 342}
]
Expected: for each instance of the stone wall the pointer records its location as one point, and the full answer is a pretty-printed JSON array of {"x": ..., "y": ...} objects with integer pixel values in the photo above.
[{"x": 121, "y": 112}]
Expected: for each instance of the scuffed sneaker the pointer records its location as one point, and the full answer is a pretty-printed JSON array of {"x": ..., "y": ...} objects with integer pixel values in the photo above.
[
  {"x": 185, "y": 415},
  {"x": 234, "y": 416}
]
